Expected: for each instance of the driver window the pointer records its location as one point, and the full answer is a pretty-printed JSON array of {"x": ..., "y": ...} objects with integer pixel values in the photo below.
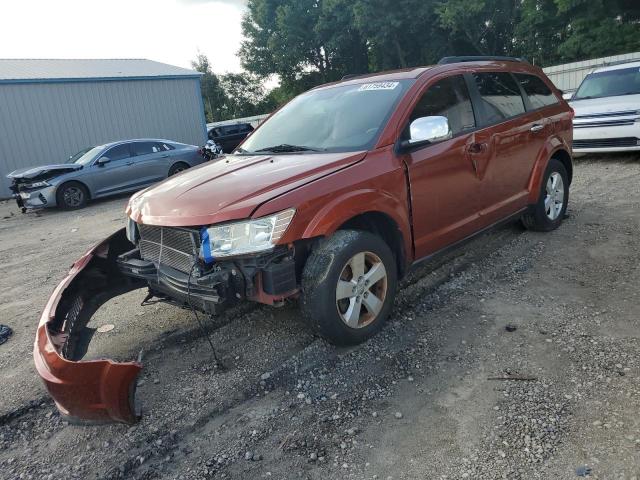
[{"x": 447, "y": 98}]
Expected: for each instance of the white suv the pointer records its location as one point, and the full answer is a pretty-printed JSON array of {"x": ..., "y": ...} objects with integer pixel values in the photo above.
[{"x": 607, "y": 108}]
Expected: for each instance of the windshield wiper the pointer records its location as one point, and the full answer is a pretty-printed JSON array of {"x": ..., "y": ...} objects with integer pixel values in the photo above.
[{"x": 286, "y": 148}]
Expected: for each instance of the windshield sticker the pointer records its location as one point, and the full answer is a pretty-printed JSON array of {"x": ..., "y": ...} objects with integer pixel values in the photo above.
[{"x": 378, "y": 86}]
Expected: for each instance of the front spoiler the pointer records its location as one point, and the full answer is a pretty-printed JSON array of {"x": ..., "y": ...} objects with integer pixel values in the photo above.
[{"x": 89, "y": 391}]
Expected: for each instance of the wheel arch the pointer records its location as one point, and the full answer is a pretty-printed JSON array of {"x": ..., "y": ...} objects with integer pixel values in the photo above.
[
  {"x": 385, "y": 227},
  {"x": 554, "y": 150},
  {"x": 565, "y": 158}
]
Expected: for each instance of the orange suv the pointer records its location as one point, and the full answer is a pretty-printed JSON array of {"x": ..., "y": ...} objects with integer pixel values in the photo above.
[{"x": 331, "y": 200}]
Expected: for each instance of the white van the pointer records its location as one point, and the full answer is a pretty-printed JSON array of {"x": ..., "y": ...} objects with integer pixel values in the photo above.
[{"x": 607, "y": 108}]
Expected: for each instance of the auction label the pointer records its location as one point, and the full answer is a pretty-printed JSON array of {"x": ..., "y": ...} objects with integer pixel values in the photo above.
[{"x": 379, "y": 86}]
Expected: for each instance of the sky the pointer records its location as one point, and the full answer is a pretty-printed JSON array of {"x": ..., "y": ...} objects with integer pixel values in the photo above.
[{"x": 168, "y": 31}]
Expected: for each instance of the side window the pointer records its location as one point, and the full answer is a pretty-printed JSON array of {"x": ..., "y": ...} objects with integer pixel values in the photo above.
[
  {"x": 144, "y": 148},
  {"x": 540, "y": 95},
  {"x": 500, "y": 94},
  {"x": 165, "y": 147},
  {"x": 118, "y": 152},
  {"x": 232, "y": 130},
  {"x": 447, "y": 98}
]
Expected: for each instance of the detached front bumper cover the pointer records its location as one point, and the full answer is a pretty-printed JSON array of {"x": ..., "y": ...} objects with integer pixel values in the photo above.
[{"x": 96, "y": 390}]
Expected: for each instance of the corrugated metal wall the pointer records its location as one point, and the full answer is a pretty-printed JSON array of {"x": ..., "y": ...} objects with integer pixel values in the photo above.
[
  {"x": 568, "y": 77},
  {"x": 46, "y": 122}
]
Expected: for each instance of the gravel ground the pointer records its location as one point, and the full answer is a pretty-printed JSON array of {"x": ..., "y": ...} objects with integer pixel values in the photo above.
[{"x": 516, "y": 356}]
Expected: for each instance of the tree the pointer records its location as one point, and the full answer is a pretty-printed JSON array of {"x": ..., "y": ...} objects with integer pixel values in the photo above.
[
  {"x": 308, "y": 42},
  {"x": 244, "y": 96},
  {"x": 212, "y": 94},
  {"x": 300, "y": 40}
]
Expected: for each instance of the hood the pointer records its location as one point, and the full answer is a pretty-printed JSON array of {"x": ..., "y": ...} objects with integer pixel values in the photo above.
[
  {"x": 231, "y": 187},
  {"x": 623, "y": 104},
  {"x": 33, "y": 172}
]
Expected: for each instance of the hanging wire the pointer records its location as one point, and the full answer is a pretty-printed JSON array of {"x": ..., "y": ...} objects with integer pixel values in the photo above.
[{"x": 195, "y": 314}]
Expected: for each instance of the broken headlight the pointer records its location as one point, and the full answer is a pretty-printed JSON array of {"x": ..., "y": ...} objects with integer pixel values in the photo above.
[
  {"x": 246, "y": 237},
  {"x": 31, "y": 186}
]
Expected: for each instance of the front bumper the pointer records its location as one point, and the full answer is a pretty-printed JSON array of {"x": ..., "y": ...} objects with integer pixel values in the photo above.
[
  {"x": 41, "y": 198},
  {"x": 96, "y": 390}
]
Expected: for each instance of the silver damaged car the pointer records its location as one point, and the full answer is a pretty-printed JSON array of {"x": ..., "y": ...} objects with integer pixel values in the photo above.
[{"x": 97, "y": 172}]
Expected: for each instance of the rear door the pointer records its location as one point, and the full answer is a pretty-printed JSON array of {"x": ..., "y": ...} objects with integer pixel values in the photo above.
[
  {"x": 445, "y": 191},
  {"x": 150, "y": 163},
  {"x": 510, "y": 135}
]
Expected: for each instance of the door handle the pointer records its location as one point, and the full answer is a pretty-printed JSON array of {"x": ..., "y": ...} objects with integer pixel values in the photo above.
[
  {"x": 129, "y": 163},
  {"x": 537, "y": 128},
  {"x": 166, "y": 155}
]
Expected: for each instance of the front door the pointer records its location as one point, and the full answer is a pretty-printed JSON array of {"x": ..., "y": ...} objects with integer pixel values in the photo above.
[
  {"x": 445, "y": 189},
  {"x": 111, "y": 172}
]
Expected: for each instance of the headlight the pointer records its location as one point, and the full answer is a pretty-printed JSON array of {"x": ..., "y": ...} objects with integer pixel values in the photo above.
[
  {"x": 37, "y": 185},
  {"x": 240, "y": 238}
]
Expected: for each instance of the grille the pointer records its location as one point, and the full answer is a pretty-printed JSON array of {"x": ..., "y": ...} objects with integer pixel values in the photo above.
[
  {"x": 606, "y": 142},
  {"x": 174, "y": 247},
  {"x": 605, "y": 123},
  {"x": 624, "y": 113}
]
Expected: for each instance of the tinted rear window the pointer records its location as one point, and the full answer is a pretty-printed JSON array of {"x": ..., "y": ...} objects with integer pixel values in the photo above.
[
  {"x": 540, "y": 95},
  {"x": 501, "y": 97},
  {"x": 145, "y": 148}
]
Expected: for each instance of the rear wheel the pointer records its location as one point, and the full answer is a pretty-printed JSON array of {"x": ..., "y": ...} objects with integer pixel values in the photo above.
[
  {"x": 548, "y": 213},
  {"x": 177, "y": 168},
  {"x": 72, "y": 195},
  {"x": 348, "y": 286}
]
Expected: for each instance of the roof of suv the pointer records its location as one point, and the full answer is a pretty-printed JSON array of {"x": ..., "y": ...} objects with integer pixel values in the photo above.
[
  {"x": 619, "y": 66},
  {"x": 415, "y": 72}
]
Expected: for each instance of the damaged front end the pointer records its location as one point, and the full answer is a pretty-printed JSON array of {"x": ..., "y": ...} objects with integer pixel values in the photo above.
[
  {"x": 166, "y": 260},
  {"x": 96, "y": 390},
  {"x": 31, "y": 188}
]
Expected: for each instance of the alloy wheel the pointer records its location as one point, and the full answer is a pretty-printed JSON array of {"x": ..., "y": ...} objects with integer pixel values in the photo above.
[
  {"x": 554, "y": 197},
  {"x": 73, "y": 196},
  {"x": 361, "y": 290}
]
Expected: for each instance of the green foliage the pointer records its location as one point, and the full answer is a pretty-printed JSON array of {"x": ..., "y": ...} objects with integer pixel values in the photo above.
[
  {"x": 212, "y": 94},
  {"x": 308, "y": 42}
]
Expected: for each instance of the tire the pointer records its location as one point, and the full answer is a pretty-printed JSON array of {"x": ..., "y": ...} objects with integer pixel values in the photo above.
[
  {"x": 330, "y": 264},
  {"x": 177, "y": 168},
  {"x": 548, "y": 213},
  {"x": 72, "y": 195}
]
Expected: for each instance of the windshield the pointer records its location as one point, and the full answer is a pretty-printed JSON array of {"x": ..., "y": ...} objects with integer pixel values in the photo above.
[
  {"x": 342, "y": 118},
  {"x": 608, "y": 84},
  {"x": 83, "y": 157}
]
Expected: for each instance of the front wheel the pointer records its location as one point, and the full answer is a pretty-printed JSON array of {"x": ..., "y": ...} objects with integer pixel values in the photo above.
[
  {"x": 72, "y": 195},
  {"x": 348, "y": 286},
  {"x": 547, "y": 214}
]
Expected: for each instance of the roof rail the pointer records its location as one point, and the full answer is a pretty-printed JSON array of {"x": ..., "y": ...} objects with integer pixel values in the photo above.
[
  {"x": 349, "y": 76},
  {"x": 478, "y": 58}
]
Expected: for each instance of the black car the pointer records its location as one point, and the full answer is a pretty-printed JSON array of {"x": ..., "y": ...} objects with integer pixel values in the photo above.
[{"x": 230, "y": 136}]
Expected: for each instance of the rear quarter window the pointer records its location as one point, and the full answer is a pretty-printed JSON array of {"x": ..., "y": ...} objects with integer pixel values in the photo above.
[{"x": 540, "y": 95}]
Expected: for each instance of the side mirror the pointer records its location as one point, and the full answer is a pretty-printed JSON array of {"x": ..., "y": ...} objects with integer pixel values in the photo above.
[
  {"x": 102, "y": 161},
  {"x": 426, "y": 130}
]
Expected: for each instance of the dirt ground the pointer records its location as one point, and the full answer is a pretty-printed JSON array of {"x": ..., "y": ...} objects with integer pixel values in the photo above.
[{"x": 425, "y": 399}]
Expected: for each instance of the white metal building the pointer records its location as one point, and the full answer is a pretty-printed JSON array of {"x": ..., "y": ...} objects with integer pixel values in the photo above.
[
  {"x": 569, "y": 76},
  {"x": 50, "y": 109}
]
